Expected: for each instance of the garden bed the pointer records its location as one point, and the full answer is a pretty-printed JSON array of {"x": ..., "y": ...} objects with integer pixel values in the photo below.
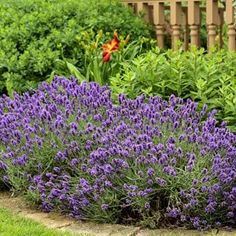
[{"x": 111, "y": 150}]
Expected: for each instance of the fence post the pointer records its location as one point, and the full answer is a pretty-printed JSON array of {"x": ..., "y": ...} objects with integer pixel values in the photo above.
[
  {"x": 194, "y": 21},
  {"x": 175, "y": 19},
  {"x": 221, "y": 24},
  {"x": 185, "y": 25},
  {"x": 146, "y": 10},
  {"x": 211, "y": 18},
  {"x": 231, "y": 27},
  {"x": 159, "y": 20},
  {"x": 139, "y": 6},
  {"x": 143, "y": 7}
]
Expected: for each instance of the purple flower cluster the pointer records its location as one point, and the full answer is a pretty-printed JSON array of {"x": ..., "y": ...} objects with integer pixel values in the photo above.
[{"x": 70, "y": 148}]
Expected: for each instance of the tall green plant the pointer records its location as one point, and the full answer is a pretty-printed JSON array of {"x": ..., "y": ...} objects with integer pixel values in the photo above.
[
  {"x": 207, "y": 78},
  {"x": 95, "y": 69}
]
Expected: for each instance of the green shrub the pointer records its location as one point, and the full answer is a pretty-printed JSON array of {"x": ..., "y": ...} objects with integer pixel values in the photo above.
[
  {"x": 207, "y": 78},
  {"x": 34, "y": 34}
]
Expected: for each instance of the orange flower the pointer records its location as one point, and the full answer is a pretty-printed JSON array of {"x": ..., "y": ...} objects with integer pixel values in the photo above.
[{"x": 110, "y": 47}]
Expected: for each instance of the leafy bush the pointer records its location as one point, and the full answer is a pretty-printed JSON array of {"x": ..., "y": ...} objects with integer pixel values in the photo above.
[
  {"x": 154, "y": 162},
  {"x": 206, "y": 78},
  {"x": 35, "y": 33}
]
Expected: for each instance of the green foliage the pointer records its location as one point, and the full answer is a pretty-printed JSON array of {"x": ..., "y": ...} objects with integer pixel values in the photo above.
[
  {"x": 94, "y": 69},
  {"x": 207, "y": 78},
  {"x": 34, "y": 34}
]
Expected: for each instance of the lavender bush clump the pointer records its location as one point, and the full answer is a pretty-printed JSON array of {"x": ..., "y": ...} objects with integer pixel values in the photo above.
[{"x": 67, "y": 147}]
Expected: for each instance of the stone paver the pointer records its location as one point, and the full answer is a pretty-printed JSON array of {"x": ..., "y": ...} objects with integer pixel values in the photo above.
[
  {"x": 46, "y": 219},
  {"x": 182, "y": 232},
  {"x": 102, "y": 229}
]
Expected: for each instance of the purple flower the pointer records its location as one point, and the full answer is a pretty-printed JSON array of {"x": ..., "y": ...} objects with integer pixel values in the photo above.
[
  {"x": 104, "y": 207},
  {"x": 21, "y": 161},
  {"x": 74, "y": 162},
  {"x": 173, "y": 213},
  {"x": 150, "y": 171},
  {"x": 230, "y": 214},
  {"x": 3, "y": 166},
  {"x": 60, "y": 156},
  {"x": 147, "y": 205},
  {"x": 169, "y": 170},
  {"x": 161, "y": 182}
]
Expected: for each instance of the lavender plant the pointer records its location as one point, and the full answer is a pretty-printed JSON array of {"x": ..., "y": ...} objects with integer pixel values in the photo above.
[{"x": 152, "y": 162}]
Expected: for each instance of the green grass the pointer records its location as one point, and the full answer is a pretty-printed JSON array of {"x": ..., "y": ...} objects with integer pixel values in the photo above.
[{"x": 13, "y": 225}]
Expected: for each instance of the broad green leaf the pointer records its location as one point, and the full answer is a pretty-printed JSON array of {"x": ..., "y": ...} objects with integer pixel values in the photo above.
[
  {"x": 74, "y": 71},
  {"x": 10, "y": 87}
]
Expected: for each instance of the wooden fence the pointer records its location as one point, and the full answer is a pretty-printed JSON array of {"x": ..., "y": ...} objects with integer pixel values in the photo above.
[{"x": 184, "y": 19}]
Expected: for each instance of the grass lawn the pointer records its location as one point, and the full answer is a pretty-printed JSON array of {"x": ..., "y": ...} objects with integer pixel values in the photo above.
[{"x": 13, "y": 225}]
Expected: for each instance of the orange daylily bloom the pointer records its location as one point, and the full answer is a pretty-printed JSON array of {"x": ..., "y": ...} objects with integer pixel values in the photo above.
[
  {"x": 106, "y": 56},
  {"x": 110, "y": 47}
]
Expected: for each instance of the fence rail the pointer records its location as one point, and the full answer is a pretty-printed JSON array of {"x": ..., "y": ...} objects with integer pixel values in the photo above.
[{"x": 184, "y": 17}]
